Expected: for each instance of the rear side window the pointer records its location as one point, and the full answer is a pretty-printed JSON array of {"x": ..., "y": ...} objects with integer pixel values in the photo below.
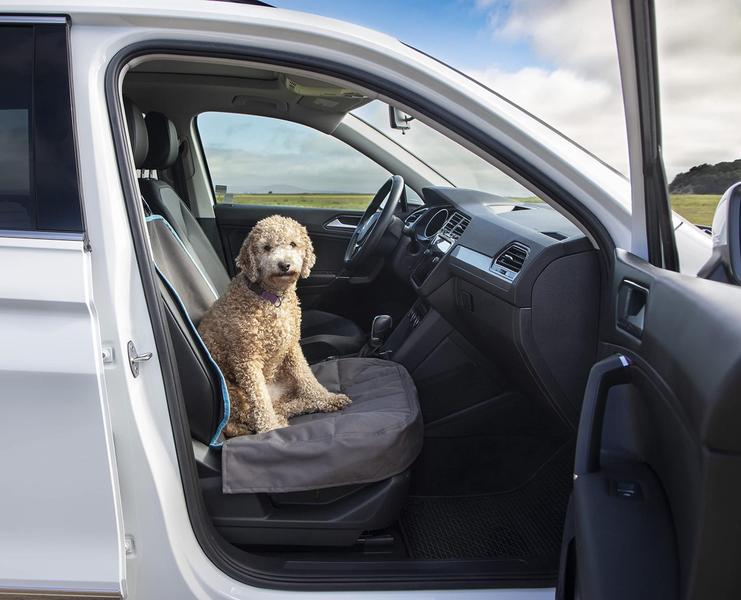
[{"x": 39, "y": 188}]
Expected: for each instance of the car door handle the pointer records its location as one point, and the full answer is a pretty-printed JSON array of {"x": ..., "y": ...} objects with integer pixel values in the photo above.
[
  {"x": 343, "y": 225},
  {"x": 631, "y": 307},
  {"x": 605, "y": 374}
]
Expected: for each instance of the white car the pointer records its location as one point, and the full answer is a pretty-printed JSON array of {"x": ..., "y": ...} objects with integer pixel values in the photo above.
[{"x": 553, "y": 403}]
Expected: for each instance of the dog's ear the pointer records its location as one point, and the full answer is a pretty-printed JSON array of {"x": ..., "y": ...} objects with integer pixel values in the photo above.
[
  {"x": 309, "y": 256},
  {"x": 246, "y": 261}
]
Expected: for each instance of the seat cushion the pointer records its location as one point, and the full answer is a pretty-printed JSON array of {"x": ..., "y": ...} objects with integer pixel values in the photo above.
[
  {"x": 325, "y": 334},
  {"x": 378, "y": 436}
]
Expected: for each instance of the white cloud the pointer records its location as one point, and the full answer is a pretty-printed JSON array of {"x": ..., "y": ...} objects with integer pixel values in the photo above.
[
  {"x": 588, "y": 110},
  {"x": 699, "y": 64}
]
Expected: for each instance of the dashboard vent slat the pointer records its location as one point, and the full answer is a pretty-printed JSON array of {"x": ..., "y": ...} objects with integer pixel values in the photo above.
[
  {"x": 510, "y": 261},
  {"x": 455, "y": 226}
]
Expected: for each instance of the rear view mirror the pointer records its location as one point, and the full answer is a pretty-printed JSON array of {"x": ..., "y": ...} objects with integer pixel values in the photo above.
[
  {"x": 725, "y": 262},
  {"x": 399, "y": 119}
]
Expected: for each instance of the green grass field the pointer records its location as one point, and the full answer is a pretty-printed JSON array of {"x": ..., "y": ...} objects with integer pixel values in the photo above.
[
  {"x": 346, "y": 201},
  {"x": 697, "y": 209}
]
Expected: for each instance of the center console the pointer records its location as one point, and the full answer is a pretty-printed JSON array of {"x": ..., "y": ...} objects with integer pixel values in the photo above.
[{"x": 433, "y": 233}]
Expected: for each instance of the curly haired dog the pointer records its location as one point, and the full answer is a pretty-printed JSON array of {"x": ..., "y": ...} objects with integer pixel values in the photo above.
[{"x": 253, "y": 330}]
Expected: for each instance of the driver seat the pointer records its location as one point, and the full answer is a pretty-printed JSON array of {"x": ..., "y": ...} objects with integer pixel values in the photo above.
[{"x": 323, "y": 334}]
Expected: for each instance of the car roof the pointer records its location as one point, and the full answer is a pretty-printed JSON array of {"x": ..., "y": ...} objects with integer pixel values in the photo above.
[{"x": 203, "y": 10}]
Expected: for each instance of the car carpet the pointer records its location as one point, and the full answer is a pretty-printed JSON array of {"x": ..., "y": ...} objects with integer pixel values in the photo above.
[{"x": 524, "y": 524}]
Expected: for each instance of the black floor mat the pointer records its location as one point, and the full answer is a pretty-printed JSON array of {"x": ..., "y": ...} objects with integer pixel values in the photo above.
[{"x": 525, "y": 524}]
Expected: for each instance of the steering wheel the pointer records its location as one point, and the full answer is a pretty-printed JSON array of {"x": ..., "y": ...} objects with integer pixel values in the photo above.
[{"x": 374, "y": 222}]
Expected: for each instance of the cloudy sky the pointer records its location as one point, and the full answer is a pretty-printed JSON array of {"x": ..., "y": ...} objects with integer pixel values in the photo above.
[{"x": 557, "y": 59}]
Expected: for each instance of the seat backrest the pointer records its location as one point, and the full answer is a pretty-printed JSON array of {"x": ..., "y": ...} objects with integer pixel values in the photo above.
[
  {"x": 187, "y": 295},
  {"x": 164, "y": 200},
  {"x": 137, "y": 132}
]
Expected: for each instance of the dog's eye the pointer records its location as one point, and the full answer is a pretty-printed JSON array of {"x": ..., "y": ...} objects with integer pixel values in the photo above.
[
  {"x": 293, "y": 244},
  {"x": 266, "y": 247}
]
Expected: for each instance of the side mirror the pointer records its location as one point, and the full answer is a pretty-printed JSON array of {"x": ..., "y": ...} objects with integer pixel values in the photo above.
[
  {"x": 399, "y": 119},
  {"x": 725, "y": 262}
]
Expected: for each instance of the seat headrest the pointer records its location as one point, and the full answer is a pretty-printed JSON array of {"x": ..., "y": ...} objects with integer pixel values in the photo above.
[
  {"x": 137, "y": 132},
  {"x": 163, "y": 142}
]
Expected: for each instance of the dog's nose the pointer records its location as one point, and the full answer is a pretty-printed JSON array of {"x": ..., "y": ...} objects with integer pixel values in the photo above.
[{"x": 284, "y": 266}]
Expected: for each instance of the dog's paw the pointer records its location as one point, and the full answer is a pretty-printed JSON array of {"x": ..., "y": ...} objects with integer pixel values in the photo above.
[
  {"x": 337, "y": 401},
  {"x": 275, "y": 422},
  {"x": 281, "y": 421},
  {"x": 234, "y": 429}
]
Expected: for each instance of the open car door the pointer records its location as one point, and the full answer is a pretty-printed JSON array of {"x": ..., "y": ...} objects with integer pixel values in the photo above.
[{"x": 655, "y": 511}]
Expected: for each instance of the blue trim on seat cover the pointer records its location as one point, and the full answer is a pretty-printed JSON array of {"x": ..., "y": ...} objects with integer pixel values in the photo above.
[{"x": 215, "y": 441}]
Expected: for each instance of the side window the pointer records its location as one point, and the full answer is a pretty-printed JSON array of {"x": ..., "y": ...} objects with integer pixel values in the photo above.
[
  {"x": 38, "y": 168},
  {"x": 266, "y": 161}
]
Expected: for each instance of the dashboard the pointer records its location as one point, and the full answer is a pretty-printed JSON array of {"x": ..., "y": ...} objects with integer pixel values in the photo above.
[
  {"x": 518, "y": 280},
  {"x": 497, "y": 242}
]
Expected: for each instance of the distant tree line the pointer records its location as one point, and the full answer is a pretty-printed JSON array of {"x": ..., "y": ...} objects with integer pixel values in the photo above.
[{"x": 707, "y": 179}]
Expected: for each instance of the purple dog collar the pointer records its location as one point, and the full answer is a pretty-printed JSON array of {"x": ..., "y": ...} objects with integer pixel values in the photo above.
[{"x": 274, "y": 299}]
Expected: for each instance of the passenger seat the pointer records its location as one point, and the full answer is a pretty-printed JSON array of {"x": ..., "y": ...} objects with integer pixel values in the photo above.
[
  {"x": 164, "y": 200},
  {"x": 326, "y": 478}
]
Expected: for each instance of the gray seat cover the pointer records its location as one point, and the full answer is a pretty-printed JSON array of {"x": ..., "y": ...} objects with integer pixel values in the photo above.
[
  {"x": 181, "y": 268},
  {"x": 163, "y": 200},
  {"x": 378, "y": 436}
]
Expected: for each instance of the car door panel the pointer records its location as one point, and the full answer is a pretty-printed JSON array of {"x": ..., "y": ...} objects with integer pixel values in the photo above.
[
  {"x": 667, "y": 438},
  {"x": 624, "y": 569},
  {"x": 60, "y": 503},
  {"x": 330, "y": 241}
]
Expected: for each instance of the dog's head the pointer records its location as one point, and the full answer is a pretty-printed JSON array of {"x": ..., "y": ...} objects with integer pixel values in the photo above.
[{"x": 276, "y": 253}]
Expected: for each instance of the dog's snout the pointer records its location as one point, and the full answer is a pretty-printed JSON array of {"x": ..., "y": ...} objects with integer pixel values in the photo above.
[{"x": 284, "y": 266}]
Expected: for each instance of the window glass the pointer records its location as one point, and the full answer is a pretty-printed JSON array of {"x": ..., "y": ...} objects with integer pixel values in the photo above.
[
  {"x": 457, "y": 164},
  {"x": 16, "y": 66},
  {"x": 15, "y": 170},
  {"x": 265, "y": 161},
  {"x": 38, "y": 169},
  {"x": 699, "y": 56}
]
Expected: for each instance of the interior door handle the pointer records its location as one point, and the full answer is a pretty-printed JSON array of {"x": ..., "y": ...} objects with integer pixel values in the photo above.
[
  {"x": 338, "y": 223},
  {"x": 631, "y": 307},
  {"x": 604, "y": 375}
]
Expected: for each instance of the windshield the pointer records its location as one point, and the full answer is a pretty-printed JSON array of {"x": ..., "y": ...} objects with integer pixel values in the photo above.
[
  {"x": 460, "y": 166},
  {"x": 555, "y": 60}
]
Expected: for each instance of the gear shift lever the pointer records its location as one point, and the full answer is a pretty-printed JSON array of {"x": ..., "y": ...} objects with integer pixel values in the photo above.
[{"x": 380, "y": 331}]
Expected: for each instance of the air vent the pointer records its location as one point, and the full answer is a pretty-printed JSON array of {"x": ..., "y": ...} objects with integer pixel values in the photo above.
[
  {"x": 414, "y": 217},
  {"x": 455, "y": 226},
  {"x": 509, "y": 262}
]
